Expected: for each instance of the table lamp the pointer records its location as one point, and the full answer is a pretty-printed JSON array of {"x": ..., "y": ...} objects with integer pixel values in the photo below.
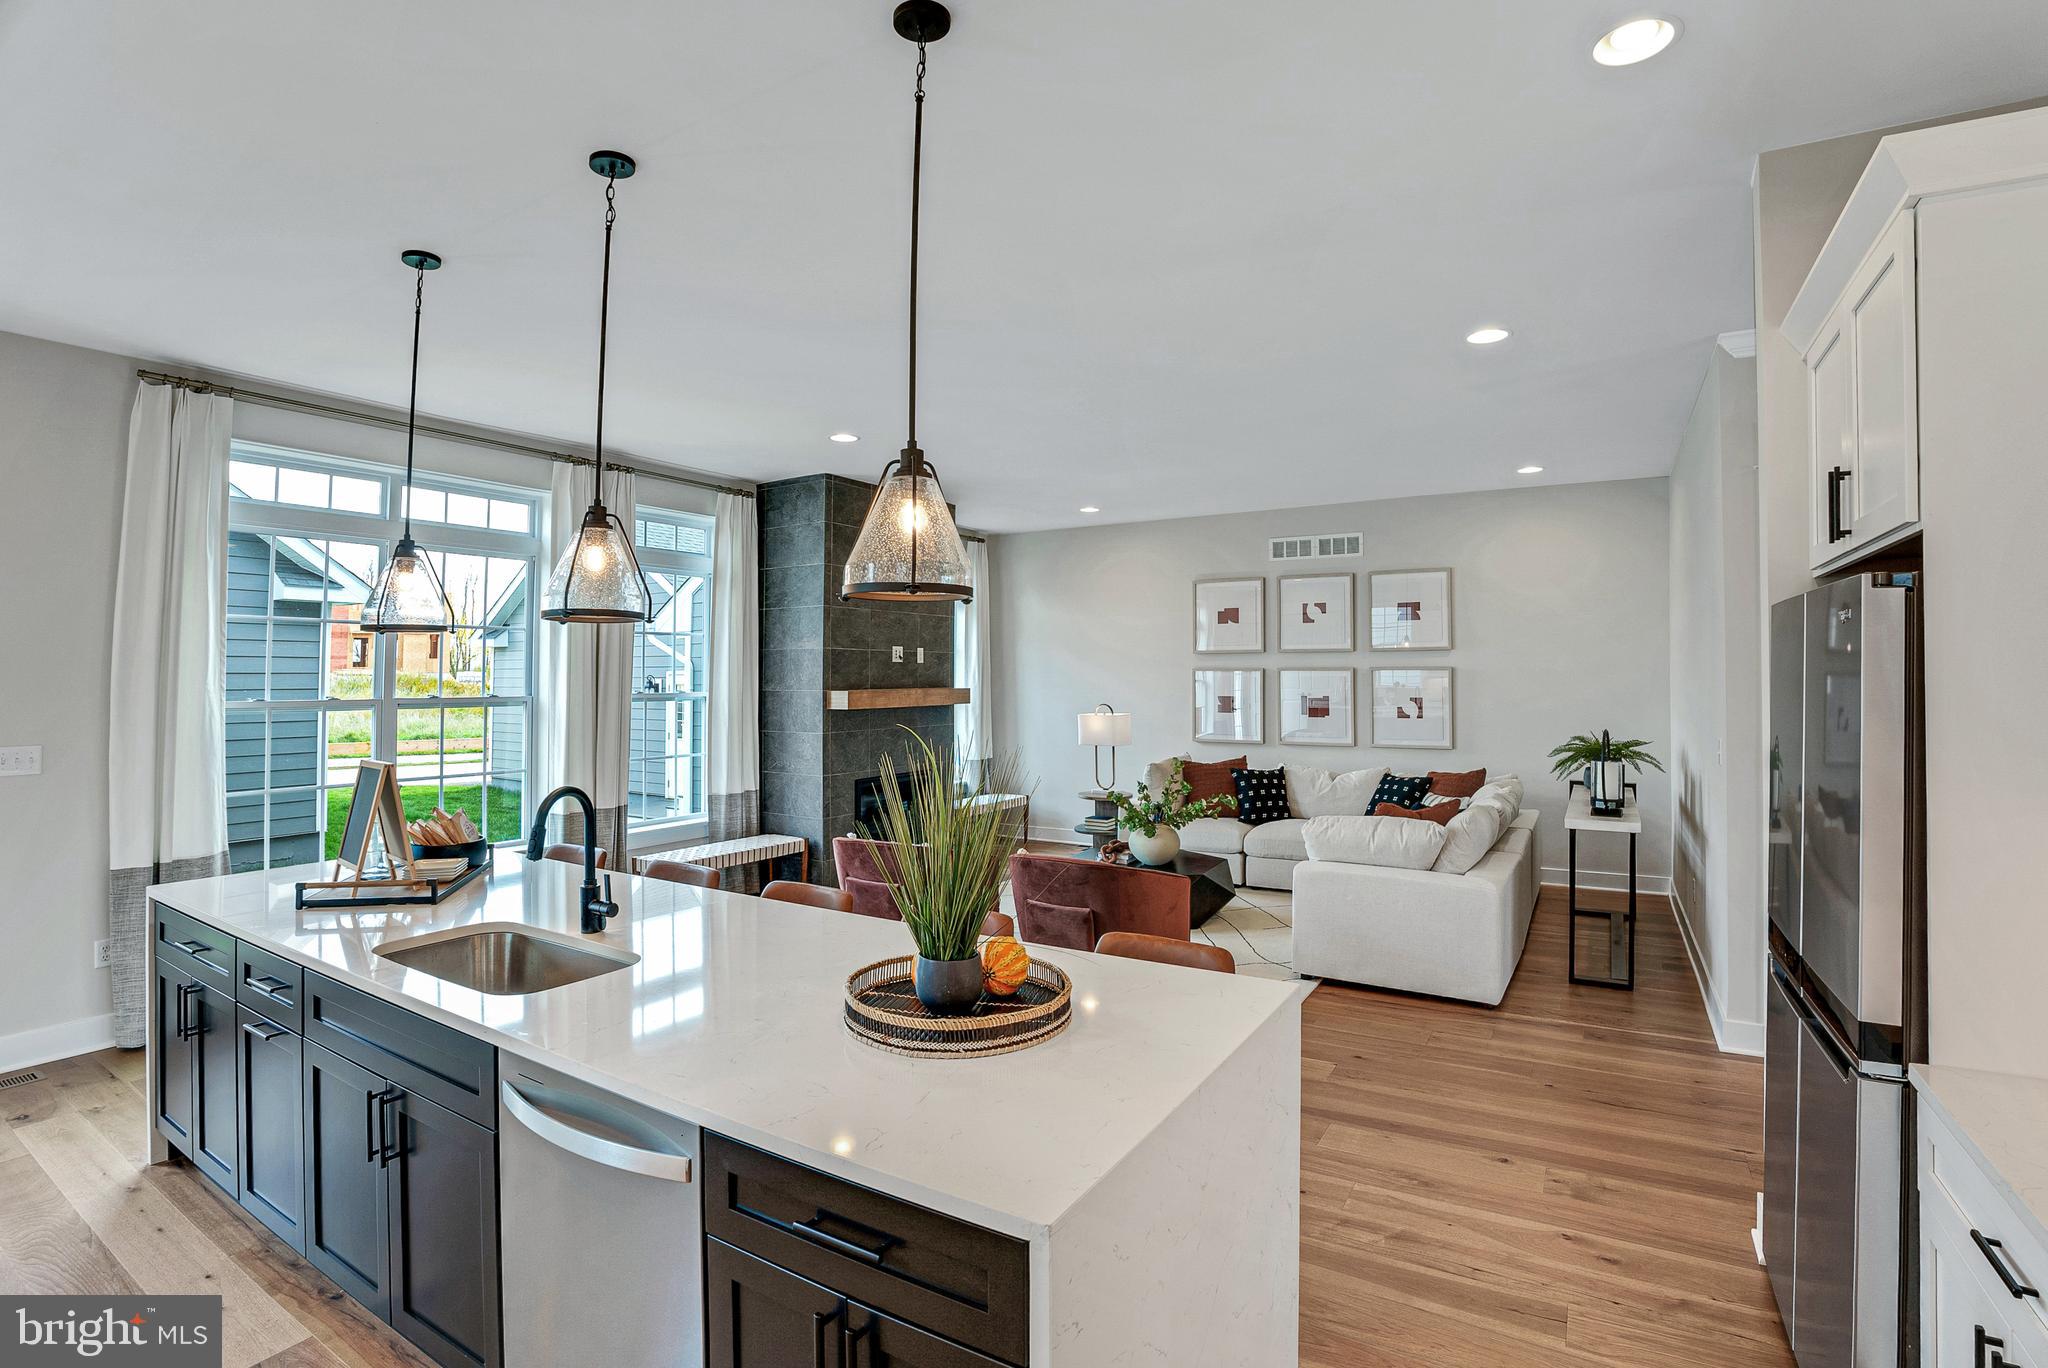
[{"x": 1104, "y": 727}]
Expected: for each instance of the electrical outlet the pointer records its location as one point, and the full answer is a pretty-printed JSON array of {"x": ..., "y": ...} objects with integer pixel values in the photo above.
[
  {"x": 920, "y": 655},
  {"x": 102, "y": 954},
  {"x": 20, "y": 760},
  {"x": 896, "y": 655}
]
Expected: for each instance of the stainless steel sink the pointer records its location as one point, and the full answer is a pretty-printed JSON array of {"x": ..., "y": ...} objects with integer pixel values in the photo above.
[{"x": 504, "y": 958}]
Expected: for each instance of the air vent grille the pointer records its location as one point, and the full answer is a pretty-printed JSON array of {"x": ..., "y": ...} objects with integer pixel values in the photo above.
[
  {"x": 1320, "y": 546},
  {"x": 15, "y": 1080}
]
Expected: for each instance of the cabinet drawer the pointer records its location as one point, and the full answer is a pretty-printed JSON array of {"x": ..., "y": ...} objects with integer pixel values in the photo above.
[
  {"x": 269, "y": 985},
  {"x": 421, "y": 1056},
  {"x": 207, "y": 952},
  {"x": 1951, "y": 1178},
  {"x": 966, "y": 1283}
]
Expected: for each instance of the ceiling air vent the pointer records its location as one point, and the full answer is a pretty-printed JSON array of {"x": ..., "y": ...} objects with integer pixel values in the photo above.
[{"x": 1319, "y": 547}]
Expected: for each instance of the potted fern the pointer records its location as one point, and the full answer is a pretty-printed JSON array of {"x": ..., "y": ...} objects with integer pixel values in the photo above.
[
  {"x": 1151, "y": 822},
  {"x": 944, "y": 857},
  {"x": 1605, "y": 763}
]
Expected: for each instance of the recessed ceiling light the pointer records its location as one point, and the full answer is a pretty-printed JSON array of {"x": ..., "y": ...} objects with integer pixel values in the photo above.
[
  {"x": 1529, "y": 470},
  {"x": 1636, "y": 41},
  {"x": 1486, "y": 336},
  {"x": 1090, "y": 508},
  {"x": 844, "y": 437}
]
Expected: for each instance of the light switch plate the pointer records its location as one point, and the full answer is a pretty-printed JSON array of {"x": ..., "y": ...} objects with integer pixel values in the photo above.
[
  {"x": 896, "y": 655},
  {"x": 18, "y": 760}
]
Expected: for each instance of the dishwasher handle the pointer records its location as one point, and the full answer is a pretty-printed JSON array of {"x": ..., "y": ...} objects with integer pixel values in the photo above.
[{"x": 553, "y": 1118}]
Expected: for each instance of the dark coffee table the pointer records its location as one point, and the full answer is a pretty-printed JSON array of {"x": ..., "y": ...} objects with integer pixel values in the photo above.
[{"x": 1210, "y": 887}]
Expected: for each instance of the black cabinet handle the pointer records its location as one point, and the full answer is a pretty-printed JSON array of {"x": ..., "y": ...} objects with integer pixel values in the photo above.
[
  {"x": 263, "y": 1030},
  {"x": 1836, "y": 479},
  {"x": 187, "y": 1027},
  {"x": 1996, "y": 1358},
  {"x": 270, "y": 985},
  {"x": 850, "y": 1346},
  {"x": 372, "y": 1131},
  {"x": 192, "y": 947},
  {"x": 1994, "y": 1253},
  {"x": 809, "y": 1230},
  {"x": 819, "y": 1320},
  {"x": 388, "y": 1149}
]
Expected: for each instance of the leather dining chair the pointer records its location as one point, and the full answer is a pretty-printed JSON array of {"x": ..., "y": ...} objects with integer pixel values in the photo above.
[
  {"x": 572, "y": 854},
  {"x": 862, "y": 876},
  {"x": 809, "y": 895},
  {"x": 1166, "y": 950},
  {"x": 680, "y": 871}
]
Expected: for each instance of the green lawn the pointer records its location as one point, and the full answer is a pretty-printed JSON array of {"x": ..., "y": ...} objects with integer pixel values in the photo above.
[{"x": 419, "y": 800}]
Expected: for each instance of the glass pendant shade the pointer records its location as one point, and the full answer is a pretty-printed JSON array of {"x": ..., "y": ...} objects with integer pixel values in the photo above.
[
  {"x": 408, "y": 596},
  {"x": 598, "y": 578},
  {"x": 909, "y": 550}
]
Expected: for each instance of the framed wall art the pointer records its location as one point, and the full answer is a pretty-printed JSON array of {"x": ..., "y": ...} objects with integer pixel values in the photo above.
[
  {"x": 1315, "y": 612},
  {"x": 1412, "y": 708},
  {"x": 1230, "y": 615},
  {"x": 1410, "y": 610},
  {"x": 1316, "y": 708},
  {"x": 1230, "y": 706}
]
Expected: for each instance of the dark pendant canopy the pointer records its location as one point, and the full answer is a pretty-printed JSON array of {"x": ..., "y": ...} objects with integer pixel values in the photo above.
[
  {"x": 908, "y": 549},
  {"x": 409, "y": 596},
  {"x": 598, "y": 578}
]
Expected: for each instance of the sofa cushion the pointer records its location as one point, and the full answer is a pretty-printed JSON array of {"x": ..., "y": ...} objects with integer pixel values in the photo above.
[
  {"x": 1210, "y": 779},
  {"x": 1469, "y": 836},
  {"x": 1215, "y": 836},
  {"x": 1441, "y": 814},
  {"x": 1279, "y": 840},
  {"x": 1048, "y": 923},
  {"x": 1507, "y": 792},
  {"x": 1313, "y": 792},
  {"x": 1458, "y": 784},
  {"x": 1385, "y": 841},
  {"x": 1261, "y": 796},
  {"x": 1402, "y": 790}
]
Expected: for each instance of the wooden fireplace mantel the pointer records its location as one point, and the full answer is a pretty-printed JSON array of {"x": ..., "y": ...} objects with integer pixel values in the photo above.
[{"x": 860, "y": 700}]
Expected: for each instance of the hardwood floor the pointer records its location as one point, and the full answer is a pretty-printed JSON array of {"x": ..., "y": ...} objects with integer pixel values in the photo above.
[
  {"x": 1569, "y": 1178},
  {"x": 1566, "y": 1179}
]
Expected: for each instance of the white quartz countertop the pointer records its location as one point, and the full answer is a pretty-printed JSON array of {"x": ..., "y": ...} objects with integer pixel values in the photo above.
[
  {"x": 732, "y": 1018},
  {"x": 2004, "y": 1118}
]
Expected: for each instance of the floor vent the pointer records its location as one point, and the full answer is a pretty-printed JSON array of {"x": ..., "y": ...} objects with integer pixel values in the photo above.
[
  {"x": 1318, "y": 547},
  {"x": 15, "y": 1080}
]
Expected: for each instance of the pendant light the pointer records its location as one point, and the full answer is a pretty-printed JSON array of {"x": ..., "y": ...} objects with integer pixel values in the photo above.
[
  {"x": 909, "y": 550},
  {"x": 409, "y": 596},
  {"x": 598, "y": 578}
]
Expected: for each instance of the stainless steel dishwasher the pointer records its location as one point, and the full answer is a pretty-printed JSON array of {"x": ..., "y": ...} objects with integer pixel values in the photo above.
[{"x": 601, "y": 1233}]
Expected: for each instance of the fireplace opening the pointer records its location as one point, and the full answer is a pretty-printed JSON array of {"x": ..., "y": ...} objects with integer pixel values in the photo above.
[{"x": 867, "y": 801}]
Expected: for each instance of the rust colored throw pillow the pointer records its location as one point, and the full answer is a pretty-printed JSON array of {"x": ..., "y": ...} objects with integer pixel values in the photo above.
[
  {"x": 1211, "y": 780},
  {"x": 1447, "y": 785},
  {"x": 1441, "y": 814}
]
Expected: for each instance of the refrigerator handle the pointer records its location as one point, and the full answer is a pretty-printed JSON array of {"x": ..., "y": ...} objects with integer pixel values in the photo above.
[{"x": 1837, "y": 1049}]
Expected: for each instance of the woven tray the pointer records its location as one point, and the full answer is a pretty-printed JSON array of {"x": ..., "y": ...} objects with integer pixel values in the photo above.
[{"x": 882, "y": 1009}]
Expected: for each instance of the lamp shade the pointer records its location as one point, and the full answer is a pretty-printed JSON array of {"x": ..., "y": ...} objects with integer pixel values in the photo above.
[
  {"x": 1104, "y": 728},
  {"x": 408, "y": 596},
  {"x": 598, "y": 578},
  {"x": 909, "y": 549}
]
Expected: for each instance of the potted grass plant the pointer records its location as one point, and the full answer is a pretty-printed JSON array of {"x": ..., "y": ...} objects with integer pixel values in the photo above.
[
  {"x": 1605, "y": 763},
  {"x": 944, "y": 856}
]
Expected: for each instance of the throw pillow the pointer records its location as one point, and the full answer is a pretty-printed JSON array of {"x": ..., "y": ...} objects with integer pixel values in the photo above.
[
  {"x": 1373, "y": 841},
  {"x": 1261, "y": 796},
  {"x": 1313, "y": 792},
  {"x": 1441, "y": 814},
  {"x": 1402, "y": 790},
  {"x": 1456, "y": 785},
  {"x": 1210, "y": 779},
  {"x": 1468, "y": 837}
]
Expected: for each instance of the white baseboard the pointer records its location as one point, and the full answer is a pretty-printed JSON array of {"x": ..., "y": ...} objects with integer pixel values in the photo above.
[
  {"x": 1733, "y": 1037},
  {"x": 62, "y": 1041},
  {"x": 1609, "y": 880}
]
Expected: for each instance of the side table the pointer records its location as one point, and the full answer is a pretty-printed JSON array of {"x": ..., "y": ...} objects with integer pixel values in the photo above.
[{"x": 1621, "y": 926}]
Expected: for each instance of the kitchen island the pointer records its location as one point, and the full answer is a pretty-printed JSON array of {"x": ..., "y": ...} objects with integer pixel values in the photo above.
[{"x": 1145, "y": 1162}]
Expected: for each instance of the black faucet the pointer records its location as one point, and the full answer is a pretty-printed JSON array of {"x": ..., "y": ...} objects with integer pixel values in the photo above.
[{"x": 596, "y": 911}]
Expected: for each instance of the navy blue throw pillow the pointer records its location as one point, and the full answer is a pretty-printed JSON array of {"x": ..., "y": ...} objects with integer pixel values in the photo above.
[
  {"x": 1261, "y": 795},
  {"x": 1402, "y": 790}
]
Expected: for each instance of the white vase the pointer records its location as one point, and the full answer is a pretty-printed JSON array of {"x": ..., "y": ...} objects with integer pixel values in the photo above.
[{"x": 1154, "y": 850}]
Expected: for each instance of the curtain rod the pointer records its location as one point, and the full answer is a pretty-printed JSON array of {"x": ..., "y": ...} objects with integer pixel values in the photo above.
[{"x": 286, "y": 401}]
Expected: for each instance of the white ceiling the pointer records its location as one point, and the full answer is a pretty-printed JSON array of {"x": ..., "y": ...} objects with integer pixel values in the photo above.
[{"x": 1184, "y": 256}]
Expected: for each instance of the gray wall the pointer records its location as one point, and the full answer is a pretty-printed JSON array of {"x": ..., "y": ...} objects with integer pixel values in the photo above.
[
  {"x": 63, "y": 447},
  {"x": 1560, "y": 619},
  {"x": 1716, "y": 752}
]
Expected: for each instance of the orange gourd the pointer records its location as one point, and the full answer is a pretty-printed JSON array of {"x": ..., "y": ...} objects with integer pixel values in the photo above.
[{"x": 1004, "y": 963}]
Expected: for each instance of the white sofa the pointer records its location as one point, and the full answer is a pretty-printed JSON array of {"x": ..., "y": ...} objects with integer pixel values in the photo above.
[
  {"x": 1419, "y": 930},
  {"x": 1264, "y": 856}
]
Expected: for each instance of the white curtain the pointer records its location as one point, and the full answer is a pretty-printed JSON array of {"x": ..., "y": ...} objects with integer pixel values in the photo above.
[
  {"x": 732, "y": 765},
  {"x": 166, "y": 732},
  {"x": 974, "y": 721},
  {"x": 583, "y": 707}
]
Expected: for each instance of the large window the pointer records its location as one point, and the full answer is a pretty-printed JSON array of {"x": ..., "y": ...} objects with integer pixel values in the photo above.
[
  {"x": 665, "y": 770},
  {"x": 310, "y": 694}
]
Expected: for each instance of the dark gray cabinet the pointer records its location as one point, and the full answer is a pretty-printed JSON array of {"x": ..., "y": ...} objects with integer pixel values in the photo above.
[
  {"x": 348, "y": 1235},
  {"x": 761, "y": 1316},
  {"x": 174, "y": 1051},
  {"x": 197, "y": 1092},
  {"x": 271, "y": 1127}
]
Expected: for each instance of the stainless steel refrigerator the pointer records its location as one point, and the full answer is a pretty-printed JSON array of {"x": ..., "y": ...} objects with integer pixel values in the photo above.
[{"x": 1846, "y": 884}]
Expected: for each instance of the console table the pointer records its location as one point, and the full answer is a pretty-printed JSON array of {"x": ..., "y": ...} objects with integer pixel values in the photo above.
[{"x": 1621, "y": 926}]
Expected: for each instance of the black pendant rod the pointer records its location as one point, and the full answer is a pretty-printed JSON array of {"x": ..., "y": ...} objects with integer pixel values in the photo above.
[
  {"x": 604, "y": 319},
  {"x": 412, "y": 403},
  {"x": 911, "y": 451}
]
